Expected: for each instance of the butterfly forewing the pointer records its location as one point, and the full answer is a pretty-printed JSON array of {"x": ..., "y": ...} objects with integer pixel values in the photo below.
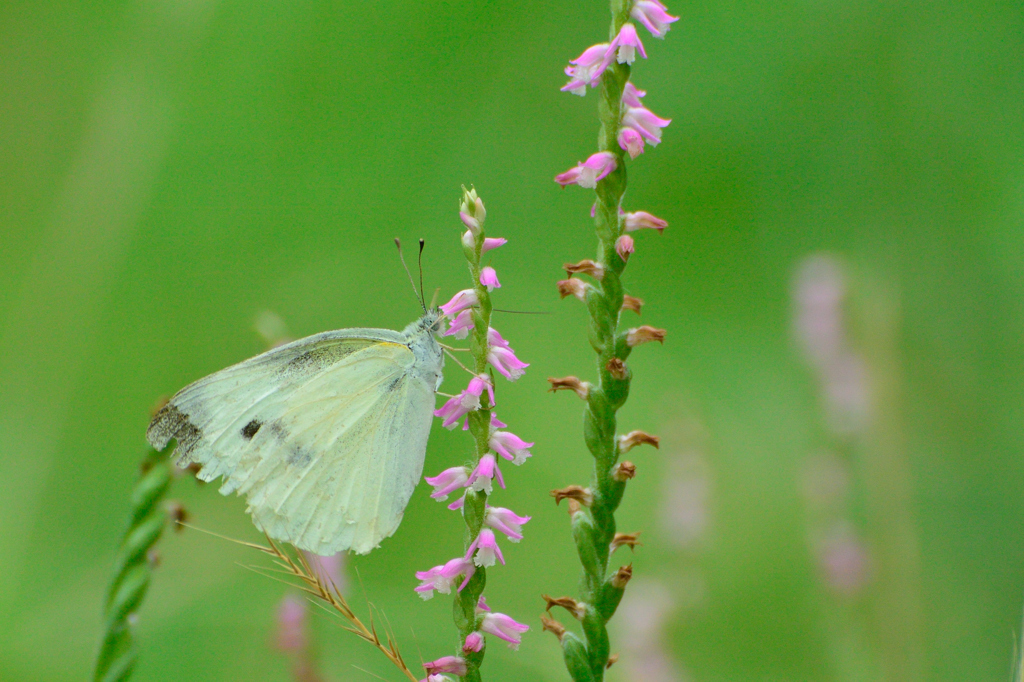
[{"x": 325, "y": 436}]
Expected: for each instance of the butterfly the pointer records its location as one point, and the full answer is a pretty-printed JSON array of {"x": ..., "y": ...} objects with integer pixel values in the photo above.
[{"x": 325, "y": 435}]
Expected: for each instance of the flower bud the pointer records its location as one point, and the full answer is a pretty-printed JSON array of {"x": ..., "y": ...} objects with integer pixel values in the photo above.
[
  {"x": 623, "y": 471},
  {"x": 574, "y": 492},
  {"x": 632, "y": 303},
  {"x": 634, "y": 438},
  {"x": 581, "y": 388},
  {"x": 585, "y": 267},
  {"x": 624, "y": 246},
  {"x": 612, "y": 660},
  {"x": 644, "y": 334}
]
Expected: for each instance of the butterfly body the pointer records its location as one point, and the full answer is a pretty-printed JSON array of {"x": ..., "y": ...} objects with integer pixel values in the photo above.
[{"x": 325, "y": 435}]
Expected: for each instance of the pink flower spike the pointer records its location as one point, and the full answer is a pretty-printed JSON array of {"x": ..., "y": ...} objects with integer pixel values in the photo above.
[
  {"x": 446, "y": 664},
  {"x": 624, "y": 246},
  {"x": 465, "y": 402},
  {"x": 448, "y": 481},
  {"x": 645, "y": 123},
  {"x": 588, "y": 173},
  {"x": 639, "y": 220},
  {"x": 443, "y": 578},
  {"x": 460, "y": 301},
  {"x": 504, "y": 627},
  {"x": 631, "y": 95},
  {"x": 474, "y": 642},
  {"x": 506, "y": 521},
  {"x": 493, "y": 243},
  {"x": 653, "y": 16},
  {"x": 506, "y": 362},
  {"x": 627, "y": 43},
  {"x": 461, "y": 325},
  {"x": 587, "y": 69},
  {"x": 486, "y": 548},
  {"x": 484, "y": 474},
  {"x": 489, "y": 278},
  {"x": 510, "y": 446},
  {"x": 631, "y": 141}
]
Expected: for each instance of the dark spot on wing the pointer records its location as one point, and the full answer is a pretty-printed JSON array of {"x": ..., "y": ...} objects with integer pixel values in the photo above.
[
  {"x": 250, "y": 429},
  {"x": 394, "y": 383}
]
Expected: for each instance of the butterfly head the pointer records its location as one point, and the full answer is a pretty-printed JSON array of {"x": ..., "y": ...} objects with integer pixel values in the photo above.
[{"x": 431, "y": 322}]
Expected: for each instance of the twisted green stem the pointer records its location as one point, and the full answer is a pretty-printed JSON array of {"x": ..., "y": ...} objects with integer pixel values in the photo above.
[
  {"x": 593, "y": 527},
  {"x": 118, "y": 653},
  {"x": 475, "y": 504}
]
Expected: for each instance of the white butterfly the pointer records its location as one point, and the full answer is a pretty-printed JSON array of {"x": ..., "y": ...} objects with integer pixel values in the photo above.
[{"x": 325, "y": 435}]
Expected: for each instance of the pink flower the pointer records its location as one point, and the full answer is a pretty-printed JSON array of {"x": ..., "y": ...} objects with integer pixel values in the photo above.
[
  {"x": 474, "y": 642},
  {"x": 495, "y": 339},
  {"x": 586, "y": 69},
  {"x": 505, "y": 521},
  {"x": 459, "y": 503},
  {"x": 627, "y": 43},
  {"x": 485, "y": 472},
  {"x": 436, "y": 678},
  {"x": 443, "y": 578},
  {"x": 624, "y": 246},
  {"x": 510, "y": 446},
  {"x": 460, "y": 325},
  {"x": 504, "y": 627},
  {"x": 631, "y": 141},
  {"x": 460, "y": 301},
  {"x": 588, "y": 173},
  {"x": 644, "y": 122},
  {"x": 466, "y": 401},
  {"x": 489, "y": 278},
  {"x": 469, "y": 221},
  {"x": 506, "y": 362},
  {"x": 448, "y": 481},
  {"x": 481, "y": 605},
  {"x": 653, "y": 15},
  {"x": 493, "y": 243},
  {"x": 639, "y": 220},
  {"x": 447, "y": 664},
  {"x": 486, "y": 548},
  {"x": 631, "y": 95}
]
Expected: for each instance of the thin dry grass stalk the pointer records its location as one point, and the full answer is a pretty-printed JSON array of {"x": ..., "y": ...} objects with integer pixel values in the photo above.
[{"x": 311, "y": 583}]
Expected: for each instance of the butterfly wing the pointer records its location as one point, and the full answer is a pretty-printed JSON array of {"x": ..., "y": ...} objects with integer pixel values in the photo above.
[{"x": 325, "y": 436}]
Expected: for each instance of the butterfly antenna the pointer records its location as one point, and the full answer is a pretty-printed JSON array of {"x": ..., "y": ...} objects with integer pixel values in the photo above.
[
  {"x": 521, "y": 312},
  {"x": 420, "y": 266},
  {"x": 398, "y": 243}
]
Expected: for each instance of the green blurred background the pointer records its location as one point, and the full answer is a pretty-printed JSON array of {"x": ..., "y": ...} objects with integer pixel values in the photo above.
[{"x": 171, "y": 168}]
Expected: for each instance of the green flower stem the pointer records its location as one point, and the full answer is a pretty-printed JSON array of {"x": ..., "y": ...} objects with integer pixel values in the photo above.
[
  {"x": 594, "y": 527},
  {"x": 475, "y": 503},
  {"x": 118, "y": 653}
]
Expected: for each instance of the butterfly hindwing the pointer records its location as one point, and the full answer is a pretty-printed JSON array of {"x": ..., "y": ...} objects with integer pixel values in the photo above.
[{"x": 325, "y": 436}]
